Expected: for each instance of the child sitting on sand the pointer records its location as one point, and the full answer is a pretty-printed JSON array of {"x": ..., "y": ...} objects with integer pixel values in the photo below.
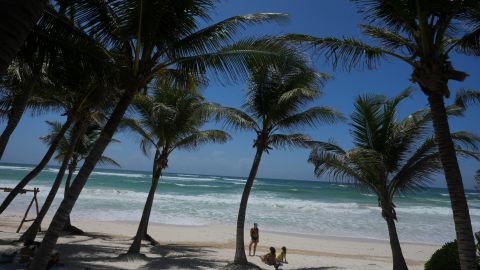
[
  {"x": 282, "y": 257},
  {"x": 270, "y": 258}
]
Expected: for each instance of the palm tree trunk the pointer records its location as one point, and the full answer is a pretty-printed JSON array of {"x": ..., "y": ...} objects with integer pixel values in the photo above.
[
  {"x": 397, "y": 255},
  {"x": 461, "y": 216},
  {"x": 240, "y": 256},
  {"x": 30, "y": 234},
  {"x": 71, "y": 169},
  {"x": 46, "y": 158},
  {"x": 142, "y": 227},
  {"x": 18, "y": 108},
  {"x": 58, "y": 222},
  {"x": 17, "y": 18}
]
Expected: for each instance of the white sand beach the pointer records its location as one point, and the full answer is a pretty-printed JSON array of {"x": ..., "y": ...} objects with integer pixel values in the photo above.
[{"x": 211, "y": 247}]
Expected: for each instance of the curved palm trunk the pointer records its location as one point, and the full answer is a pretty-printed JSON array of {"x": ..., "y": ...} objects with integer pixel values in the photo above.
[
  {"x": 58, "y": 222},
  {"x": 30, "y": 234},
  {"x": 17, "y": 18},
  {"x": 142, "y": 227},
  {"x": 46, "y": 158},
  {"x": 397, "y": 254},
  {"x": 240, "y": 256},
  {"x": 18, "y": 108},
  {"x": 461, "y": 216}
]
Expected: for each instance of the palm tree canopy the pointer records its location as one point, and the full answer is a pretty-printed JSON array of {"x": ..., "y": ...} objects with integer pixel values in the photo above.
[
  {"x": 164, "y": 38},
  {"x": 171, "y": 118},
  {"x": 389, "y": 155},
  {"x": 420, "y": 33},
  {"x": 84, "y": 144},
  {"x": 277, "y": 100}
]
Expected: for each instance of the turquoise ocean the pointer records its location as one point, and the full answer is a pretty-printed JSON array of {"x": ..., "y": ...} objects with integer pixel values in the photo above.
[{"x": 292, "y": 206}]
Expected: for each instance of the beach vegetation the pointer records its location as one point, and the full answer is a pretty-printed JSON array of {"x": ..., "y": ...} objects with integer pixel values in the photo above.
[
  {"x": 390, "y": 156},
  {"x": 275, "y": 107},
  {"x": 156, "y": 40},
  {"x": 423, "y": 35},
  {"x": 168, "y": 120},
  {"x": 75, "y": 145}
]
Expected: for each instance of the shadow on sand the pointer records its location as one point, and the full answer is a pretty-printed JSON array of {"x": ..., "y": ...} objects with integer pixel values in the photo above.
[{"x": 100, "y": 252}]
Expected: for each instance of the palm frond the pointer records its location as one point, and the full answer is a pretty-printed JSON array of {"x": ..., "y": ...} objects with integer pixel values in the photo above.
[
  {"x": 236, "y": 119},
  {"x": 389, "y": 40},
  {"x": 465, "y": 98},
  {"x": 311, "y": 117},
  {"x": 290, "y": 141},
  {"x": 104, "y": 160},
  {"x": 234, "y": 59},
  {"x": 196, "y": 139},
  {"x": 348, "y": 53},
  {"x": 356, "y": 166},
  {"x": 221, "y": 34}
]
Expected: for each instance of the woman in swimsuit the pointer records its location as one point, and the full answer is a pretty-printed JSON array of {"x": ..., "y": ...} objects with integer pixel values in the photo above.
[{"x": 254, "y": 239}]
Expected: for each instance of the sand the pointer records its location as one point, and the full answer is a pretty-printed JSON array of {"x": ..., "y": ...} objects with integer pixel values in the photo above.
[{"x": 211, "y": 247}]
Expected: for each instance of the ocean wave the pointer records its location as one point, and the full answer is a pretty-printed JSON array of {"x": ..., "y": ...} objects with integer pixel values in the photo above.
[
  {"x": 432, "y": 210},
  {"x": 132, "y": 175},
  {"x": 188, "y": 175},
  {"x": 15, "y": 168},
  {"x": 234, "y": 179},
  {"x": 185, "y": 185},
  {"x": 178, "y": 178}
]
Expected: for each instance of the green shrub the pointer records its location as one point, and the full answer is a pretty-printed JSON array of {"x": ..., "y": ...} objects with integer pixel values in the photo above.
[{"x": 446, "y": 258}]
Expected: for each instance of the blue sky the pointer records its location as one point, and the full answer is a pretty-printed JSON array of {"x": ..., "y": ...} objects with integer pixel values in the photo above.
[{"x": 319, "y": 18}]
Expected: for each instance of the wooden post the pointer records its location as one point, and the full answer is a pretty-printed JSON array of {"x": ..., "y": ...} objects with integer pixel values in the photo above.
[
  {"x": 34, "y": 199},
  {"x": 35, "y": 191},
  {"x": 26, "y": 213}
]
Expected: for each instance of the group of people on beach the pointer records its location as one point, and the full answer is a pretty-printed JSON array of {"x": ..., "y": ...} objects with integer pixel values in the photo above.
[{"x": 270, "y": 258}]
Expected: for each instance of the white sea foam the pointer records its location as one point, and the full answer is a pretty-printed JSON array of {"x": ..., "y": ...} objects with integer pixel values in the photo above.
[
  {"x": 132, "y": 175},
  {"x": 15, "y": 168},
  {"x": 188, "y": 175},
  {"x": 178, "y": 178}
]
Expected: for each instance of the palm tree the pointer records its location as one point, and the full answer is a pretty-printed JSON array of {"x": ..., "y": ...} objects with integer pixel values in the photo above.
[
  {"x": 82, "y": 149},
  {"x": 76, "y": 88},
  {"x": 162, "y": 39},
  {"x": 73, "y": 144},
  {"x": 16, "y": 90},
  {"x": 389, "y": 156},
  {"x": 17, "y": 19},
  {"x": 276, "y": 102},
  {"x": 421, "y": 34},
  {"x": 169, "y": 120}
]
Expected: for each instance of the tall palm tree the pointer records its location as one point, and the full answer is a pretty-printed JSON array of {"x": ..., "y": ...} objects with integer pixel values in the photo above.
[
  {"x": 73, "y": 144},
  {"x": 76, "y": 88},
  {"x": 276, "y": 102},
  {"x": 422, "y": 34},
  {"x": 169, "y": 120},
  {"x": 17, "y": 19},
  {"x": 389, "y": 156},
  {"x": 149, "y": 39}
]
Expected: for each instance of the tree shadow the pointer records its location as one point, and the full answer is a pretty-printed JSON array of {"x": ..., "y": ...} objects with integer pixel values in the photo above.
[
  {"x": 182, "y": 256},
  {"x": 320, "y": 268}
]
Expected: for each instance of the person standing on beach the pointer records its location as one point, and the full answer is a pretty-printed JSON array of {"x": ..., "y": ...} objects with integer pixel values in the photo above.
[{"x": 254, "y": 239}]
